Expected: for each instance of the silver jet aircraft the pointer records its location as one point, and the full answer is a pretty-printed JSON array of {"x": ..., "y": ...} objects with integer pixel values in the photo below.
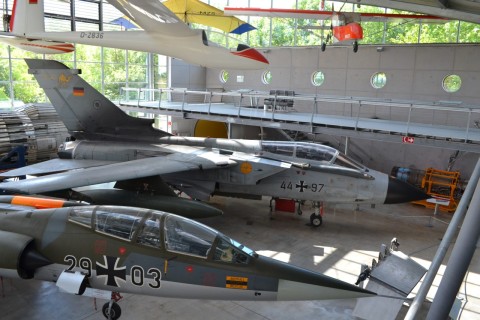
[{"x": 110, "y": 146}]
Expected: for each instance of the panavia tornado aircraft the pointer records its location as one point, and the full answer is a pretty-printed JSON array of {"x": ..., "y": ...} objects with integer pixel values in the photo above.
[
  {"x": 163, "y": 33},
  {"x": 110, "y": 146},
  {"x": 102, "y": 251}
]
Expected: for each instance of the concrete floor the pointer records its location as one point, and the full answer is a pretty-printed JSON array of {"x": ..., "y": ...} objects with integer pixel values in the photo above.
[{"x": 346, "y": 240}]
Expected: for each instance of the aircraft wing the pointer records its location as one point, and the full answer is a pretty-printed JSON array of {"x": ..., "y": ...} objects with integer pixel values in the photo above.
[
  {"x": 325, "y": 15},
  {"x": 150, "y": 15},
  {"x": 118, "y": 171},
  {"x": 53, "y": 166},
  {"x": 196, "y": 11}
]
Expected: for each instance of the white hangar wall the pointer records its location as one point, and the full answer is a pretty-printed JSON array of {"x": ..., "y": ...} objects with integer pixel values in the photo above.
[{"x": 412, "y": 72}]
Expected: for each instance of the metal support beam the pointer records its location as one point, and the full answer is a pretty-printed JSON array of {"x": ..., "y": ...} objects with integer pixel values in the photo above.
[
  {"x": 442, "y": 249},
  {"x": 459, "y": 259}
]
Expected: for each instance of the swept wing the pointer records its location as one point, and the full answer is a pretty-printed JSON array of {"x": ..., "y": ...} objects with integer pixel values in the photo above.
[{"x": 118, "y": 171}]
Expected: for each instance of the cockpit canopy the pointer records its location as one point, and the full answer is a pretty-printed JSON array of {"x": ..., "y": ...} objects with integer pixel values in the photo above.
[
  {"x": 161, "y": 230},
  {"x": 311, "y": 153}
]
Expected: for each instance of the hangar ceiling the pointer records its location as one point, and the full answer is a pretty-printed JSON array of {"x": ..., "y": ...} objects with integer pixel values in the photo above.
[{"x": 465, "y": 10}]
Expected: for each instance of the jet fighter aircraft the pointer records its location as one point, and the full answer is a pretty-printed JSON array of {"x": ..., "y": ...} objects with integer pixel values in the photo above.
[
  {"x": 102, "y": 251},
  {"x": 112, "y": 146}
]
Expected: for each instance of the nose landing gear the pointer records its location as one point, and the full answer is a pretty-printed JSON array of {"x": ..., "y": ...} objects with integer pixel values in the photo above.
[
  {"x": 316, "y": 217},
  {"x": 111, "y": 310}
]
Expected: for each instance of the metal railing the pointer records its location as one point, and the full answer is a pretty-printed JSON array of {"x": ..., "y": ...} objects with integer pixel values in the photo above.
[{"x": 454, "y": 114}]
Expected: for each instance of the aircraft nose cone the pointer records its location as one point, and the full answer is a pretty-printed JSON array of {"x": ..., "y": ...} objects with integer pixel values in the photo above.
[
  {"x": 295, "y": 283},
  {"x": 400, "y": 191}
]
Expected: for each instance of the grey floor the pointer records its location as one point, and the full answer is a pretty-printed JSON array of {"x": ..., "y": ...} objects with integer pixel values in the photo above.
[{"x": 347, "y": 239}]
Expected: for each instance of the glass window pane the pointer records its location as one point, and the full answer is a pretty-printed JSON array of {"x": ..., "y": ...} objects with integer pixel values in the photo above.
[
  {"x": 115, "y": 72},
  {"x": 5, "y": 93},
  {"x": 452, "y": 83},
  {"x": 81, "y": 216},
  {"x": 187, "y": 236},
  {"x": 468, "y": 32},
  {"x": 82, "y": 26},
  {"x": 113, "y": 91},
  {"x": 28, "y": 92},
  {"x": 91, "y": 72},
  {"x": 137, "y": 73},
  {"x": 378, "y": 80},
  {"x": 88, "y": 53},
  {"x": 116, "y": 223},
  {"x": 89, "y": 10},
  {"x": 226, "y": 252},
  {"x": 57, "y": 25},
  {"x": 318, "y": 78},
  {"x": 267, "y": 77},
  {"x": 136, "y": 57},
  {"x": 224, "y": 75},
  {"x": 150, "y": 233}
]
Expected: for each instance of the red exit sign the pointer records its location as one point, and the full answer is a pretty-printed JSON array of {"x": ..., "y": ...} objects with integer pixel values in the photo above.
[{"x": 408, "y": 139}]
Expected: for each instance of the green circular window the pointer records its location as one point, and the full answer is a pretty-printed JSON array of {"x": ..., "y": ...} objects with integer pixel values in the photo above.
[
  {"x": 378, "y": 80},
  {"x": 224, "y": 76},
  {"x": 267, "y": 77},
  {"x": 452, "y": 83},
  {"x": 318, "y": 78}
]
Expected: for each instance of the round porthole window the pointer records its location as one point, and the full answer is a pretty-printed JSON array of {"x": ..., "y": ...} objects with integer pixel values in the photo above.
[
  {"x": 318, "y": 78},
  {"x": 267, "y": 77},
  {"x": 378, "y": 80},
  {"x": 452, "y": 83},
  {"x": 224, "y": 76}
]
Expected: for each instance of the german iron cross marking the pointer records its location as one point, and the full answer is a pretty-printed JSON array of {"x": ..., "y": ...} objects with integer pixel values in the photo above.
[
  {"x": 111, "y": 271},
  {"x": 301, "y": 185}
]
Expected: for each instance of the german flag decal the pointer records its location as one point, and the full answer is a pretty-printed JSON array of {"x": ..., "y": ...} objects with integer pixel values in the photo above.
[
  {"x": 236, "y": 283},
  {"x": 78, "y": 91}
]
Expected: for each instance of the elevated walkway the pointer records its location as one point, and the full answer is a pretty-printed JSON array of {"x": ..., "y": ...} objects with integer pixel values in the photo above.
[{"x": 444, "y": 124}]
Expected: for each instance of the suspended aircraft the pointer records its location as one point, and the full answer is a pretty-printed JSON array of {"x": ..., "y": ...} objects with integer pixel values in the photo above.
[
  {"x": 110, "y": 146},
  {"x": 344, "y": 27},
  {"x": 162, "y": 33},
  {"x": 103, "y": 251},
  {"x": 196, "y": 11}
]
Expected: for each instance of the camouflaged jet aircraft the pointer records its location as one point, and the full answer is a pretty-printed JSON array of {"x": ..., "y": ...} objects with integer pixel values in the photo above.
[
  {"x": 102, "y": 251},
  {"x": 112, "y": 146}
]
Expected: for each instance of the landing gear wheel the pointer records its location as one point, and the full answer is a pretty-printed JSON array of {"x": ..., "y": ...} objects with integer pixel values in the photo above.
[
  {"x": 355, "y": 46},
  {"x": 316, "y": 220},
  {"x": 324, "y": 46},
  {"x": 112, "y": 313}
]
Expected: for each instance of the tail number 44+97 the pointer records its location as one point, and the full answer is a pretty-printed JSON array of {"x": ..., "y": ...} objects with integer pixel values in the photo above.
[{"x": 301, "y": 186}]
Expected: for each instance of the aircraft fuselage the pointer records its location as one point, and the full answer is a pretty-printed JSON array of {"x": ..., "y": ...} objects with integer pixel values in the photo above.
[
  {"x": 140, "y": 251},
  {"x": 253, "y": 173}
]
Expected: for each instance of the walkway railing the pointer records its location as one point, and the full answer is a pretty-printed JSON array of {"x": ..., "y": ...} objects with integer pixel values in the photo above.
[{"x": 454, "y": 114}]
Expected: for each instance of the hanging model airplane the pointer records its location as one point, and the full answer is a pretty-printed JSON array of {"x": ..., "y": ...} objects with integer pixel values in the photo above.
[
  {"x": 102, "y": 251},
  {"x": 196, "y": 11},
  {"x": 162, "y": 33},
  {"x": 345, "y": 26},
  {"x": 112, "y": 146}
]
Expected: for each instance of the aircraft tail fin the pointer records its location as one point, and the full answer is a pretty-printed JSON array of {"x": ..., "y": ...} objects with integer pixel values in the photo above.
[
  {"x": 27, "y": 17},
  {"x": 86, "y": 112}
]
